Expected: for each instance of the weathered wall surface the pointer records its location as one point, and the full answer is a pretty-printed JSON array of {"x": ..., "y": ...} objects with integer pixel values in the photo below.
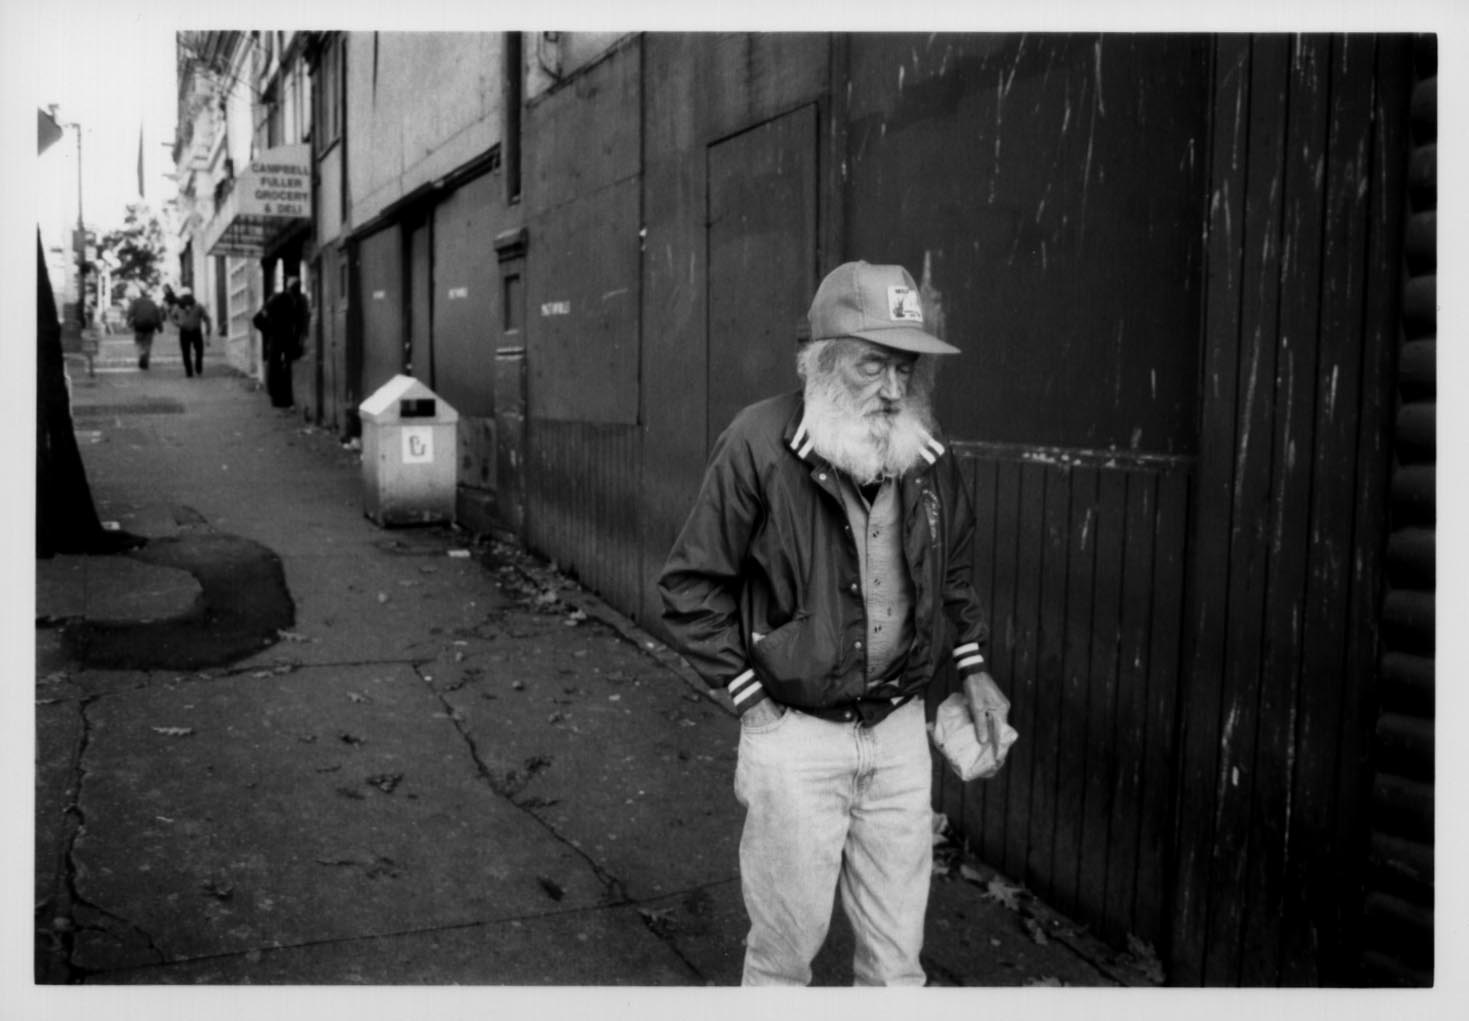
[{"x": 401, "y": 133}]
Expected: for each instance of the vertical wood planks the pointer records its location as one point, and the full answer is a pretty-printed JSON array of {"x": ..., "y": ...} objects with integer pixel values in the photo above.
[
  {"x": 1050, "y": 570},
  {"x": 1069, "y": 555},
  {"x": 1130, "y": 736},
  {"x": 983, "y": 819},
  {"x": 1156, "y": 825},
  {"x": 1287, "y": 537},
  {"x": 1019, "y": 590},
  {"x": 1289, "y": 509},
  {"x": 1099, "y": 711},
  {"x": 1250, "y": 497},
  {"x": 1209, "y": 561},
  {"x": 1077, "y": 678}
]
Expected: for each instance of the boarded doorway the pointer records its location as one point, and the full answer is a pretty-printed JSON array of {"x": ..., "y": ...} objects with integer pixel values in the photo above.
[{"x": 762, "y": 259}]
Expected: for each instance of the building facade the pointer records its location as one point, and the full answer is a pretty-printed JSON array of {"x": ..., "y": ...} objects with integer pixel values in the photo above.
[
  {"x": 1176, "y": 266},
  {"x": 243, "y": 172}
]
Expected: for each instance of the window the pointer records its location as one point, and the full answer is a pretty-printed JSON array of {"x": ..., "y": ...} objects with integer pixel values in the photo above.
[
  {"x": 326, "y": 126},
  {"x": 514, "y": 303}
]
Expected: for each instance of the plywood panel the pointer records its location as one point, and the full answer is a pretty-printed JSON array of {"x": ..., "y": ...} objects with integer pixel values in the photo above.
[
  {"x": 380, "y": 287},
  {"x": 762, "y": 260}
]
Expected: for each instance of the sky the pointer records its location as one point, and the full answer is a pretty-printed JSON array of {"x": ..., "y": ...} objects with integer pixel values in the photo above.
[{"x": 111, "y": 70}]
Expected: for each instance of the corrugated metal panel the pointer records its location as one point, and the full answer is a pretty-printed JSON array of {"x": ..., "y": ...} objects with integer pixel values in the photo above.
[
  {"x": 1399, "y": 917},
  {"x": 582, "y": 503},
  {"x": 1286, "y": 555},
  {"x": 1080, "y": 558}
]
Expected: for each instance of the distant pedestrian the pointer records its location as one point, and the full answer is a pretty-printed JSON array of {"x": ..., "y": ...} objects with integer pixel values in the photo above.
[
  {"x": 192, "y": 320},
  {"x": 146, "y": 319},
  {"x": 283, "y": 322},
  {"x": 823, "y": 579}
]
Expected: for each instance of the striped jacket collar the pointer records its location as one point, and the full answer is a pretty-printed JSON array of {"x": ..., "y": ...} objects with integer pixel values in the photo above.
[{"x": 798, "y": 439}]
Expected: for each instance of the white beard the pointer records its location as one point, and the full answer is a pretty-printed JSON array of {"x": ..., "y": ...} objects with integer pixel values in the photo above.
[{"x": 866, "y": 447}]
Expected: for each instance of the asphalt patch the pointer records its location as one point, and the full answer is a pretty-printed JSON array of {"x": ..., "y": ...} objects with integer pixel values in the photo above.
[{"x": 245, "y": 601}]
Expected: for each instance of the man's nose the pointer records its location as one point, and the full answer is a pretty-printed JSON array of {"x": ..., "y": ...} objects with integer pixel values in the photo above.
[{"x": 894, "y": 384}]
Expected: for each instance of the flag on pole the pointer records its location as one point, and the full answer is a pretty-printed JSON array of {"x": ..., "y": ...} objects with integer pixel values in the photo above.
[
  {"x": 48, "y": 131},
  {"x": 141, "y": 193}
]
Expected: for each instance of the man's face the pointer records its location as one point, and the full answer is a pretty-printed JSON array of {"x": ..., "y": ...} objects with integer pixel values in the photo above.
[{"x": 876, "y": 378}]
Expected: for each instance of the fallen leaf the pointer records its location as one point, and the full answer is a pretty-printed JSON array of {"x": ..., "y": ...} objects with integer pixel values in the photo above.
[
  {"x": 386, "y": 782},
  {"x": 292, "y": 636},
  {"x": 355, "y": 697},
  {"x": 1046, "y": 981},
  {"x": 218, "y": 888},
  {"x": 1034, "y": 930},
  {"x": 1143, "y": 957},
  {"x": 174, "y": 731},
  {"x": 658, "y": 920},
  {"x": 1005, "y": 893}
]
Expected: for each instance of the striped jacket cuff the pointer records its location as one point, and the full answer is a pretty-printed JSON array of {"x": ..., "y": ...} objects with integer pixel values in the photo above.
[
  {"x": 968, "y": 659},
  {"x": 746, "y": 691}
]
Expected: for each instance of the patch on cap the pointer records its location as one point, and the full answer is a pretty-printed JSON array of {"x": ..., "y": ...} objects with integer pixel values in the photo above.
[{"x": 903, "y": 304}]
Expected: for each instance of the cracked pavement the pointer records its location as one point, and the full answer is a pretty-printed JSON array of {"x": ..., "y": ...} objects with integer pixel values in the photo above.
[{"x": 450, "y": 765}]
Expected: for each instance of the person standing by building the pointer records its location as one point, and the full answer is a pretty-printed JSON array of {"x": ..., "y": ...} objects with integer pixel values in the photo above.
[
  {"x": 192, "y": 319},
  {"x": 283, "y": 322},
  {"x": 822, "y": 579},
  {"x": 146, "y": 319}
]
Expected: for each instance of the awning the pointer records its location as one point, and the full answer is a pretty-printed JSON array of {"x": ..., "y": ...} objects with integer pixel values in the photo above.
[{"x": 270, "y": 200}]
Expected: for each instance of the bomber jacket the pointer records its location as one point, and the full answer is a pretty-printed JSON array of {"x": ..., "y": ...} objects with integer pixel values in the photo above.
[{"x": 768, "y": 550}]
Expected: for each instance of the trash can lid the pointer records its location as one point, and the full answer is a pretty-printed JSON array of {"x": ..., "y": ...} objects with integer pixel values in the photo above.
[{"x": 383, "y": 405}]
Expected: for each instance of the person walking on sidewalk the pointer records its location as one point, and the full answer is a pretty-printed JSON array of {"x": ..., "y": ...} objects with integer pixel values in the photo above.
[
  {"x": 192, "y": 319},
  {"x": 146, "y": 319},
  {"x": 282, "y": 323},
  {"x": 823, "y": 578}
]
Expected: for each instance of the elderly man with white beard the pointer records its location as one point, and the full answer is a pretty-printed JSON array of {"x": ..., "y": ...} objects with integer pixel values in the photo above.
[{"x": 822, "y": 578}]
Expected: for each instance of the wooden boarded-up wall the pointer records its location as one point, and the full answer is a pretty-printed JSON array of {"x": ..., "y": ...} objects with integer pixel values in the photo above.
[
  {"x": 1047, "y": 193},
  {"x": 583, "y": 197},
  {"x": 1281, "y": 622},
  {"x": 715, "y": 96},
  {"x": 1172, "y": 264}
]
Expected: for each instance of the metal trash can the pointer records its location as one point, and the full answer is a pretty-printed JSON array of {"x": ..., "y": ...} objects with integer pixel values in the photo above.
[{"x": 410, "y": 454}]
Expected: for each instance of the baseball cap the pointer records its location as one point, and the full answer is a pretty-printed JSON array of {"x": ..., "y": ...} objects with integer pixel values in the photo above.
[{"x": 876, "y": 303}]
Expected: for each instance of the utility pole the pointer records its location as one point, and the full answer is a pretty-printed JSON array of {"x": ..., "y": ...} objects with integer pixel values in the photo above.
[{"x": 81, "y": 238}]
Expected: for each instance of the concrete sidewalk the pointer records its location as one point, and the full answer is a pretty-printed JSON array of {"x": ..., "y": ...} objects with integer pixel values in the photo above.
[{"x": 446, "y": 764}]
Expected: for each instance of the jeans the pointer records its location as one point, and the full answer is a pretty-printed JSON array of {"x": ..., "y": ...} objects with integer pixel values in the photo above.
[
  {"x": 191, "y": 342},
  {"x": 828, "y": 806}
]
